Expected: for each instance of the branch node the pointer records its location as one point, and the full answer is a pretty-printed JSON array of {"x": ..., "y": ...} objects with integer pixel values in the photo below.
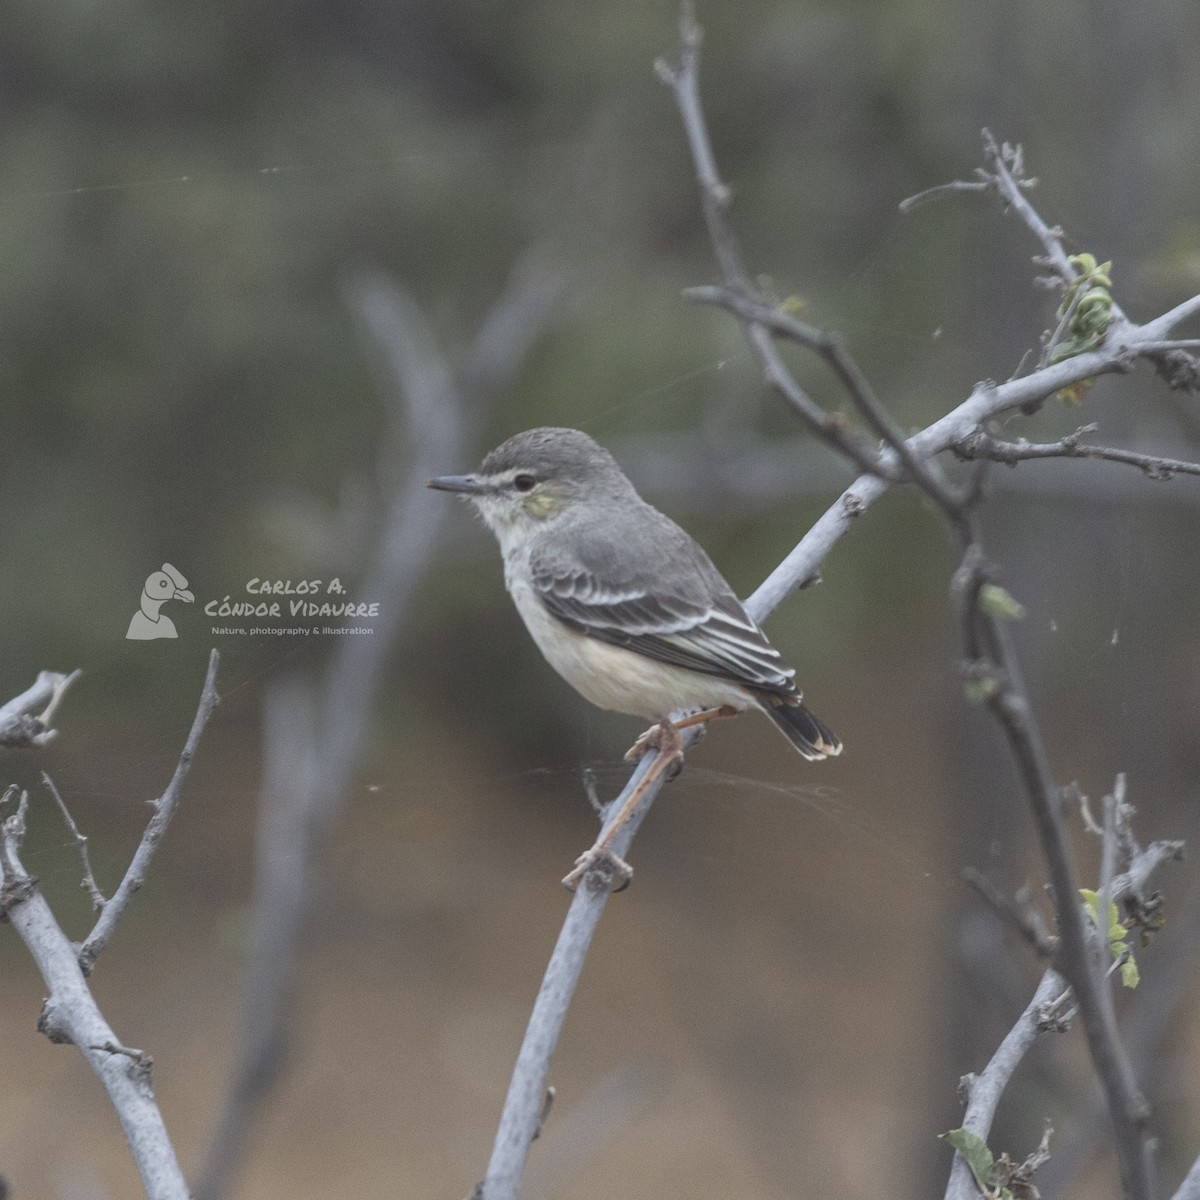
[
  {"x": 544, "y": 1115},
  {"x": 51, "y": 1024},
  {"x": 17, "y": 892}
]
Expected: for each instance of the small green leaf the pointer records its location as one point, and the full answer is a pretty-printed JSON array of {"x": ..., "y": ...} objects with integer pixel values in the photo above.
[
  {"x": 1116, "y": 931},
  {"x": 1130, "y": 976},
  {"x": 976, "y": 1155},
  {"x": 1118, "y": 947},
  {"x": 1000, "y": 603}
]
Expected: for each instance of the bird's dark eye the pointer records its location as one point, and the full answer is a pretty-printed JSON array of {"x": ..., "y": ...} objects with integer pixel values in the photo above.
[{"x": 524, "y": 483}]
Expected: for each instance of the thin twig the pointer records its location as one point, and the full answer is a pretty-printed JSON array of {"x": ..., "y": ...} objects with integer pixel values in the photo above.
[
  {"x": 1027, "y": 923},
  {"x": 715, "y": 199},
  {"x": 1179, "y": 368},
  {"x": 20, "y": 729},
  {"x": 981, "y": 445},
  {"x": 1063, "y": 323},
  {"x": 88, "y": 883},
  {"x": 164, "y": 810},
  {"x": 1108, "y": 869},
  {"x": 1162, "y": 325},
  {"x": 984, "y": 1090},
  {"x": 943, "y": 189},
  {"x": 1132, "y": 883},
  {"x": 1008, "y": 171},
  {"x": 832, "y": 349}
]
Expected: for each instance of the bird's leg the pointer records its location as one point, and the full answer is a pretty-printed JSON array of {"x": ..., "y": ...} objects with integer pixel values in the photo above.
[
  {"x": 669, "y": 746},
  {"x": 650, "y": 739}
]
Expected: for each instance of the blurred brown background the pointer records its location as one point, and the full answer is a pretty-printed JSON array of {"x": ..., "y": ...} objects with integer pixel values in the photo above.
[{"x": 783, "y": 1003}]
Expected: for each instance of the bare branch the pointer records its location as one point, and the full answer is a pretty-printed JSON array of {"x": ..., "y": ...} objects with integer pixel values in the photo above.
[
  {"x": 683, "y": 80},
  {"x": 942, "y": 189},
  {"x": 984, "y": 1091},
  {"x": 1008, "y": 172},
  {"x": 980, "y": 445},
  {"x": 1028, "y": 923},
  {"x": 19, "y": 728},
  {"x": 1161, "y": 326},
  {"x": 1180, "y": 369},
  {"x": 1133, "y": 882},
  {"x": 88, "y": 883},
  {"x": 833, "y": 350},
  {"x": 520, "y": 1118},
  {"x": 1009, "y": 703},
  {"x": 14, "y": 884},
  {"x": 715, "y": 196},
  {"x": 1007, "y": 698},
  {"x": 70, "y": 1013},
  {"x": 164, "y": 810}
]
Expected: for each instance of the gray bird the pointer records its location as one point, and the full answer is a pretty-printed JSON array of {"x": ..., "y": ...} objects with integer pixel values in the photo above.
[{"x": 623, "y": 603}]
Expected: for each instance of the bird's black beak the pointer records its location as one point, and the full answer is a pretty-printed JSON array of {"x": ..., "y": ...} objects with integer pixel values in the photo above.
[{"x": 468, "y": 485}]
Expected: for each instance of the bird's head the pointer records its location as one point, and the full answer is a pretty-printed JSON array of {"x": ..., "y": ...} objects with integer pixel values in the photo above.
[{"x": 536, "y": 477}]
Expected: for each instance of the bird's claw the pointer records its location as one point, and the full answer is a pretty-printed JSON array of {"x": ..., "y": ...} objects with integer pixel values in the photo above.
[
  {"x": 650, "y": 740},
  {"x": 611, "y": 872}
]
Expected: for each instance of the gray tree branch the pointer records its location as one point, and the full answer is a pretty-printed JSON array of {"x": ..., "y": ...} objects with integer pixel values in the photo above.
[
  {"x": 981, "y": 445},
  {"x": 164, "y": 809},
  {"x": 19, "y": 728},
  {"x": 984, "y": 1091},
  {"x": 70, "y": 1013}
]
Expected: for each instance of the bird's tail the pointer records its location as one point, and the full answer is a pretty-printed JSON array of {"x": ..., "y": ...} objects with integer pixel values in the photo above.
[{"x": 808, "y": 733}]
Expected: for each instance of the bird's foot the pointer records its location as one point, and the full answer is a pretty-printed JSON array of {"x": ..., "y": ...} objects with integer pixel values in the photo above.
[
  {"x": 665, "y": 735},
  {"x": 650, "y": 740},
  {"x": 610, "y": 872}
]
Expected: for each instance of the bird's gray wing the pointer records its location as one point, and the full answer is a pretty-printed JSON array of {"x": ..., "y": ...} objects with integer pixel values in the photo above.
[{"x": 672, "y": 605}]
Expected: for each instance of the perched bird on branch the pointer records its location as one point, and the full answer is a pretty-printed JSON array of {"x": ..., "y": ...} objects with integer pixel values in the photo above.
[{"x": 623, "y": 603}]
